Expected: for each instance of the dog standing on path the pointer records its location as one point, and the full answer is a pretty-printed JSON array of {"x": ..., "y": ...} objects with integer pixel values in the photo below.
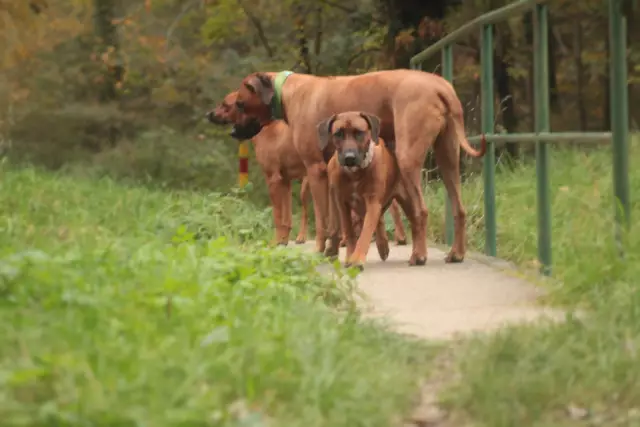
[
  {"x": 363, "y": 170},
  {"x": 356, "y": 220},
  {"x": 417, "y": 110},
  {"x": 280, "y": 164}
]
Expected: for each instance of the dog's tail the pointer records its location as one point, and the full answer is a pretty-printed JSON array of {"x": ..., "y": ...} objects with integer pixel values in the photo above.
[{"x": 455, "y": 125}]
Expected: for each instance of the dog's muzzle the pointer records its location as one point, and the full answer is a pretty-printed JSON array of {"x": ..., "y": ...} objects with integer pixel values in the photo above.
[
  {"x": 246, "y": 131},
  {"x": 212, "y": 118},
  {"x": 350, "y": 158}
]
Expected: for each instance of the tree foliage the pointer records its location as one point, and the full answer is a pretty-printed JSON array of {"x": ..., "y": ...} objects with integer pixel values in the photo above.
[{"x": 165, "y": 62}]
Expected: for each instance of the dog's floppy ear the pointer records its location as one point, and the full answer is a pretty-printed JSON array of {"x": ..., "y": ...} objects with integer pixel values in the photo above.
[
  {"x": 324, "y": 131},
  {"x": 374, "y": 125},
  {"x": 262, "y": 86}
]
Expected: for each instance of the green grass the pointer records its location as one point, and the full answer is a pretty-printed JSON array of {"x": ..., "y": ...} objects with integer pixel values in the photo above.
[
  {"x": 530, "y": 376},
  {"x": 126, "y": 306}
]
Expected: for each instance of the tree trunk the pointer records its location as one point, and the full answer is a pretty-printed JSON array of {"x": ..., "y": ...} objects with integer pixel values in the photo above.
[
  {"x": 606, "y": 101},
  {"x": 303, "y": 43},
  {"x": 505, "y": 95},
  {"x": 553, "y": 85},
  {"x": 553, "y": 80},
  {"x": 107, "y": 43},
  {"x": 317, "y": 49},
  {"x": 393, "y": 27},
  {"x": 577, "y": 52}
]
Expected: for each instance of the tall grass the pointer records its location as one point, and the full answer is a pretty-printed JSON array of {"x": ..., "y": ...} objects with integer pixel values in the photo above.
[
  {"x": 584, "y": 371},
  {"x": 135, "y": 307}
]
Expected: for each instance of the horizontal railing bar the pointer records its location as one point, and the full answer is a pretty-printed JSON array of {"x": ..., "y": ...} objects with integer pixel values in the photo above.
[
  {"x": 488, "y": 18},
  {"x": 543, "y": 137}
]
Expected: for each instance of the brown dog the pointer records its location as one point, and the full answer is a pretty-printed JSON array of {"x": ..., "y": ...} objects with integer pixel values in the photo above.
[
  {"x": 363, "y": 171},
  {"x": 280, "y": 164},
  {"x": 417, "y": 110}
]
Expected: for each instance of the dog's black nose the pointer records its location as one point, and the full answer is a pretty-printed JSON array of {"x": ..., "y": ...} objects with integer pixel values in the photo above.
[
  {"x": 209, "y": 116},
  {"x": 349, "y": 159}
]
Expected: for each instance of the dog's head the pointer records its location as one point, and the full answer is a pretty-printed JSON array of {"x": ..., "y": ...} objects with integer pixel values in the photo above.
[
  {"x": 226, "y": 112},
  {"x": 254, "y": 105},
  {"x": 352, "y": 134}
]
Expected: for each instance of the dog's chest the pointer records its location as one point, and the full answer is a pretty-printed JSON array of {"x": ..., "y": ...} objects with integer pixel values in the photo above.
[{"x": 356, "y": 200}]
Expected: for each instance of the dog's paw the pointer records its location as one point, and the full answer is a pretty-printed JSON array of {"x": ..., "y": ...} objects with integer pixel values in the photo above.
[
  {"x": 343, "y": 243},
  {"x": 417, "y": 260},
  {"x": 383, "y": 250},
  {"x": 357, "y": 265},
  {"x": 331, "y": 252},
  {"x": 300, "y": 240},
  {"x": 401, "y": 242},
  {"x": 453, "y": 257}
]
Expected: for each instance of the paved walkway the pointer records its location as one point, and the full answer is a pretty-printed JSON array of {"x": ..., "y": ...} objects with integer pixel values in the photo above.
[{"x": 440, "y": 300}]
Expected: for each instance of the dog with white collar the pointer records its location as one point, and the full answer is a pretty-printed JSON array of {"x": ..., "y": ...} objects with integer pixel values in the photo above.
[{"x": 363, "y": 174}]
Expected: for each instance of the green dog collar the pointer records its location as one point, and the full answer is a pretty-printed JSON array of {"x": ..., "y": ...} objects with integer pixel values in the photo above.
[{"x": 276, "y": 101}]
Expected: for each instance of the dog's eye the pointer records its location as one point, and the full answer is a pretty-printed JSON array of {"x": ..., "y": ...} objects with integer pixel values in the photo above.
[
  {"x": 339, "y": 134},
  {"x": 240, "y": 106},
  {"x": 359, "y": 135}
]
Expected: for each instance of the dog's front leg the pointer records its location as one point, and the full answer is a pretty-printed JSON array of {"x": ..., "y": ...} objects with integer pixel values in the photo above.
[
  {"x": 319, "y": 185},
  {"x": 277, "y": 192},
  {"x": 371, "y": 220},
  {"x": 382, "y": 240},
  {"x": 287, "y": 214},
  {"x": 346, "y": 225},
  {"x": 304, "y": 216},
  {"x": 334, "y": 222}
]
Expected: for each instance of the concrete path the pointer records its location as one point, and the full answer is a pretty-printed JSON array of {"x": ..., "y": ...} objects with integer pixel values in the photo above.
[{"x": 439, "y": 301}]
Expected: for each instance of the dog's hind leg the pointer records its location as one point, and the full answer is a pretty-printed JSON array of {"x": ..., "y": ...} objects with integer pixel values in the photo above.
[
  {"x": 407, "y": 206},
  {"x": 410, "y": 165},
  {"x": 415, "y": 131},
  {"x": 398, "y": 232},
  {"x": 287, "y": 214},
  {"x": 319, "y": 185},
  {"x": 447, "y": 154},
  {"x": 277, "y": 194},
  {"x": 304, "y": 216}
]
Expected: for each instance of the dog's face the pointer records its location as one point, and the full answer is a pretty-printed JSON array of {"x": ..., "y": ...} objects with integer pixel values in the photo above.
[
  {"x": 253, "y": 103},
  {"x": 226, "y": 112},
  {"x": 351, "y": 133}
]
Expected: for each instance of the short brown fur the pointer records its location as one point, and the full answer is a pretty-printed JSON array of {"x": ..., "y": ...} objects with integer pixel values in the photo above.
[
  {"x": 374, "y": 186},
  {"x": 280, "y": 164},
  {"x": 417, "y": 110}
]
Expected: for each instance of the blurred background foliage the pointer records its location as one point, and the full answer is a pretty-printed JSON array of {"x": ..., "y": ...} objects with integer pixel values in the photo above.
[{"x": 120, "y": 87}]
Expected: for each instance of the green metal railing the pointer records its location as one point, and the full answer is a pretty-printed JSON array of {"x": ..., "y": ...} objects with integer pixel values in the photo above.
[{"x": 542, "y": 136}]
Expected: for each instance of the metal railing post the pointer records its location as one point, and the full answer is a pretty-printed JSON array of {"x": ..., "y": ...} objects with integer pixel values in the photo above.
[
  {"x": 487, "y": 127},
  {"x": 447, "y": 73},
  {"x": 619, "y": 116},
  {"x": 541, "y": 94}
]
